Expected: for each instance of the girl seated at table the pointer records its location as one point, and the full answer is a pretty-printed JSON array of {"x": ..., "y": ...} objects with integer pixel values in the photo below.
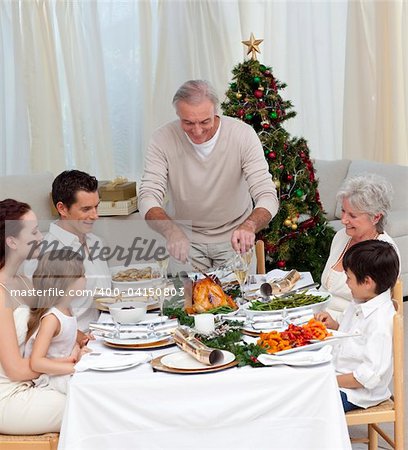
[
  {"x": 364, "y": 363},
  {"x": 51, "y": 341}
]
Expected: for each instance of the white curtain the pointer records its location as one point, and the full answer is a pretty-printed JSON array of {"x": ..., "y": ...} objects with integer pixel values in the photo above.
[
  {"x": 84, "y": 83},
  {"x": 376, "y": 88},
  {"x": 53, "y": 108}
]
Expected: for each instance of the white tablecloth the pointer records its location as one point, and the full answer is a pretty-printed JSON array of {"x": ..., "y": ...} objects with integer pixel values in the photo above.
[{"x": 276, "y": 407}]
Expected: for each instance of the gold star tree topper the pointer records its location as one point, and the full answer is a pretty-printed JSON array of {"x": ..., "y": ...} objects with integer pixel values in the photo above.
[{"x": 253, "y": 46}]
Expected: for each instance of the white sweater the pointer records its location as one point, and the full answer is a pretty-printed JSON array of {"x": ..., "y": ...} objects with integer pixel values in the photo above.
[{"x": 212, "y": 194}]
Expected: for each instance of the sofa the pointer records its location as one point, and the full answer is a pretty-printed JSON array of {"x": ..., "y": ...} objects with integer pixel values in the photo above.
[
  {"x": 122, "y": 230},
  {"x": 331, "y": 175}
]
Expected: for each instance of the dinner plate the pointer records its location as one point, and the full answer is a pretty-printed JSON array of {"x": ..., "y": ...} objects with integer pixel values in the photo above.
[
  {"x": 115, "y": 368},
  {"x": 158, "y": 366},
  {"x": 135, "y": 284},
  {"x": 184, "y": 361},
  {"x": 336, "y": 335},
  {"x": 136, "y": 345},
  {"x": 324, "y": 360},
  {"x": 315, "y": 307}
]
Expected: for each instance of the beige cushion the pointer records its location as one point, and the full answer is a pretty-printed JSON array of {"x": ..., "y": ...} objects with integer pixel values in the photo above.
[
  {"x": 331, "y": 175},
  {"x": 395, "y": 174},
  {"x": 32, "y": 189}
]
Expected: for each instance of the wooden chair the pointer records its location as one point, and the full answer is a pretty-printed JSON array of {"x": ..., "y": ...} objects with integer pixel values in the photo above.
[
  {"x": 260, "y": 257},
  {"x": 391, "y": 410},
  {"x": 47, "y": 441}
]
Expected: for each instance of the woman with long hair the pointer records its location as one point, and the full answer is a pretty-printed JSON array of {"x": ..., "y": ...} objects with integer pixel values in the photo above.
[{"x": 24, "y": 409}]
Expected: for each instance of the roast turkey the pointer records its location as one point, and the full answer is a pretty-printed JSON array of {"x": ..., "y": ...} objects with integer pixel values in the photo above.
[{"x": 208, "y": 295}]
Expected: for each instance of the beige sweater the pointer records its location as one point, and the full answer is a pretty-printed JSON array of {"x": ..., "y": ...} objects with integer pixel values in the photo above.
[{"x": 214, "y": 194}]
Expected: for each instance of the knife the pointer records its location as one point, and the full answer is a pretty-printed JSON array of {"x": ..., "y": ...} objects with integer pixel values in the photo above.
[{"x": 266, "y": 290}]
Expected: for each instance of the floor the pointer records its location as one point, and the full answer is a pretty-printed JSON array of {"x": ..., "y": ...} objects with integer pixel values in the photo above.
[{"x": 361, "y": 431}]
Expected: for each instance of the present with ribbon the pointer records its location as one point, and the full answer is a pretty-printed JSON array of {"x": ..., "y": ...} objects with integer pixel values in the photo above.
[{"x": 118, "y": 189}]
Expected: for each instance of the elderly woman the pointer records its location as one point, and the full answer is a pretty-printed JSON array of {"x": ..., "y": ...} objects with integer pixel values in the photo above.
[
  {"x": 366, "y": 200},
  {"x": 24, "y": 409}
]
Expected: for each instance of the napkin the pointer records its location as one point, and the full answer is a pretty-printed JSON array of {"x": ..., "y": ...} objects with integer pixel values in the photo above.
[
  {"x": 298, "y": 358},
  {"x": 109, "y": 360},
  {"x": 136, "y": 331}
]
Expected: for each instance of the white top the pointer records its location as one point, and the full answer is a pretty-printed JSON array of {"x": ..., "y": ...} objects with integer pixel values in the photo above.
[
  {"x": 61, "y": 345},
  {"x": 368, "y": 357},
  {"x": 203, "y": 150},
  {"x": 96, "y": 271},
  {"x": 21, "y": 315},
  {"x": 334, "y": 281}
]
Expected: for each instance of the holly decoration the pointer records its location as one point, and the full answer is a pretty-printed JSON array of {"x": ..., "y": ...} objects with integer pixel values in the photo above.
[{"x": 299, "y": 236}]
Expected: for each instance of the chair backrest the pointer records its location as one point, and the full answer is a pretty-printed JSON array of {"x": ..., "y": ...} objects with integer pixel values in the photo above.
[
  {"x": 260, "y": 257},
  {"x": 398, "y": 343}
]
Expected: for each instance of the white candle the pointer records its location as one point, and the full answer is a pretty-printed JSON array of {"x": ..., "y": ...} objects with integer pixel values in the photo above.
[{"x": 204, "y": 323}]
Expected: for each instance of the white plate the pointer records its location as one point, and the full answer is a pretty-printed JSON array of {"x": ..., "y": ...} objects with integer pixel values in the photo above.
[
  {"x": 182, "y": 360},
  {"x": 324, "y": 360},
  {"x": 315, "y": 307},
  {"x": 315, "y": 345},
  {"x": 112, "y": 369},
  {"x": 135, "y": 341},
  {"x": 133, "y": 285}
]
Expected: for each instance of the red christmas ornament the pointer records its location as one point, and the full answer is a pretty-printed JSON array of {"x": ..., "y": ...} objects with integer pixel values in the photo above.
[
  {"x": 266, "y": 125},
  {"x": 261, "y": 105},
  {"x": 281, "y": 167},
  {"x": 281, "y": 264},
  {"x": 285, "y": 146},
  {"x": 272, "y": 155},
  {"x": 267, "y": 72},
  {"x": 289, "y": 177},
  {"x": 311, "y": 176},
  {"x": 258, "y": 93},
  {"x": 302, "y": 155},
  {"x": 241, "y": 112}
]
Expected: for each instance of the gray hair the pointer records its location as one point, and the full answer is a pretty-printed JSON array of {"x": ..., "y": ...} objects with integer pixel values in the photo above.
[
  {"x": 194, "y": 92},
  {"x": 369, "y": 193}
]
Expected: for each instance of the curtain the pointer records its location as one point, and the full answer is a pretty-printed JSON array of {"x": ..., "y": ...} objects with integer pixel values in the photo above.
[
  {"x": 54, "y": 108},
  {"x": 376, "y": 93},
  {"x": 84, "y": 84}
]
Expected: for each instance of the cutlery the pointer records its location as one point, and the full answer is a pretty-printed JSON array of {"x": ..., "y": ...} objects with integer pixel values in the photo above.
[{"x": 266, "y": 290}]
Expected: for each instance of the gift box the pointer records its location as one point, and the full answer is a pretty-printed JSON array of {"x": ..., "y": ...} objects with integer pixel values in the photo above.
[
  {"x": 117, "y": 190},
  {"x": 120, "y": 208}
]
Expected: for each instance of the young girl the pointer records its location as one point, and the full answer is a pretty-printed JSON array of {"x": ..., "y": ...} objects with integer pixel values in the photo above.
[{"x": 51, "y": 341}]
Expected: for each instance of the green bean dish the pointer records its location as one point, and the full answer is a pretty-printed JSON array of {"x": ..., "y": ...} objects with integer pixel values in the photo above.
[{"x": 292, "y": 301}]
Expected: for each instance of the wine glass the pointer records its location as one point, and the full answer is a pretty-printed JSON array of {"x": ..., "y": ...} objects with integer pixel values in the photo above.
[
  {"x": 161, "y": 290},
  {"x": 247, "y": 257},
  {"x": 163, "y": 264},
  {"x": 240, "y": 268}
]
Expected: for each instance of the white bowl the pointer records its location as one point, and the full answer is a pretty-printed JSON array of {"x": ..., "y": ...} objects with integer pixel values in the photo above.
[
  {"x": 134, "y": 285},
  {"x": 128, "y": 312}
]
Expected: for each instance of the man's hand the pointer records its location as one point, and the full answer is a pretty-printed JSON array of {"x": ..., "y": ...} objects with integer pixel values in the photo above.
[
  {"x": 243, "y": 238},
  {"x": 177, "y": 244}
]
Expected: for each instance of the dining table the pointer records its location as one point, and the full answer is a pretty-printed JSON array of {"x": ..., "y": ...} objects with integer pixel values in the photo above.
[{"x": 277, "y": 407}]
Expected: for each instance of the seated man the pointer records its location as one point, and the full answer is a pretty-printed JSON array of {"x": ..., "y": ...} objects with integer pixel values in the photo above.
[
  {"x": 75, "y": 196},
  {"x": 214, "y": 170}
]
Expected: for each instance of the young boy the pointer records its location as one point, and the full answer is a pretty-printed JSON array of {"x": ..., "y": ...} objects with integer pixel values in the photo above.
[{"x": 364, "y": 363}]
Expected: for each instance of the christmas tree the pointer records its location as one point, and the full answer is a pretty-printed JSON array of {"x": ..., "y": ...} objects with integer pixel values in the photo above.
[{"x": 299, "y": 236}]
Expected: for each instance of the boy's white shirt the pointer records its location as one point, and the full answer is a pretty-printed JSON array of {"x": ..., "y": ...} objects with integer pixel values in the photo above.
[{"x": 368, "y": 357}]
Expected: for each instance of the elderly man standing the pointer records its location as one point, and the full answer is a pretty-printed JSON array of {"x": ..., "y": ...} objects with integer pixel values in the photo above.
[{"x": 213, "y": 169}]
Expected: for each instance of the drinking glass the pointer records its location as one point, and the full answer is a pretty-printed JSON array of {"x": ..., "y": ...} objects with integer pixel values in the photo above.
[
  {"x": 160, "y": 290},
  {"x": 240, "y": 268},
  {"x": 163, "y": 264}
]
